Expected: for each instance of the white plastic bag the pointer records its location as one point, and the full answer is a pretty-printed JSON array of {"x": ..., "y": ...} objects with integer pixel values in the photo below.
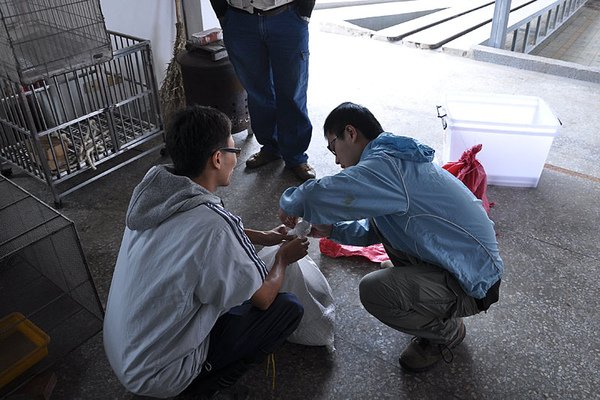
[{"x": 304, "y": 279}]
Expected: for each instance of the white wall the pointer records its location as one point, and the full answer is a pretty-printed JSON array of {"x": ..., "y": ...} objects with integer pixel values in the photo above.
[
  {"x": 155, "y": 20},
  {"x": 199, "y": 16}
]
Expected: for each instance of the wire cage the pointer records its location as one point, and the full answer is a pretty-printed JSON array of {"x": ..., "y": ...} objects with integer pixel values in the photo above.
[
  {"x": 42, "y": 38},
  {"x": 45, "y": 282},
  {"x": 60, "y": 127}
]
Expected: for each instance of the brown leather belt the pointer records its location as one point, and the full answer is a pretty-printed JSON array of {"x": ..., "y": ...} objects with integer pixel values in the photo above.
[{"x": 264, "y": 13}]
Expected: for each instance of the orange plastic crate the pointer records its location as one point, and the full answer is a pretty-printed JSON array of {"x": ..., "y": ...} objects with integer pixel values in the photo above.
[{"x": 22, "y": 345}]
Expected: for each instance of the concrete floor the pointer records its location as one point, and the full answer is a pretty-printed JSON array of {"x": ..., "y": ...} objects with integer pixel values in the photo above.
[{"x": 539, "y": 342}]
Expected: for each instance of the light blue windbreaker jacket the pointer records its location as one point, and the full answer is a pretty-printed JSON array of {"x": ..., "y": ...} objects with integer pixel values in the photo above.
[{"x": 419, "y": 207}]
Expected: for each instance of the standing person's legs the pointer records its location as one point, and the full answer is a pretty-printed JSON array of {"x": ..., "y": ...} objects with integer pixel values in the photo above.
[
  {"x": 287, "y": 43},
  {"x": 243, "y": 337},
  {"x": 243, "y": 35}
]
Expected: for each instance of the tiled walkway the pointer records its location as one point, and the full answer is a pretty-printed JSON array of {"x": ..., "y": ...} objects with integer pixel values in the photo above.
[{"x": 578, "y": 40}]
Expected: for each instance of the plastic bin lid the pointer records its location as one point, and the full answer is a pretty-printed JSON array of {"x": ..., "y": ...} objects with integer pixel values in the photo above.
[{"x": 506, "y": 113}]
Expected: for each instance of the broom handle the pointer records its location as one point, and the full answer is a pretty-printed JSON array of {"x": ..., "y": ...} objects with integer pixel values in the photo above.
[
  {"x": 180, "y": 23},
  {"x": 180, "y": 30},
  {"x": 178, "y": 11}
]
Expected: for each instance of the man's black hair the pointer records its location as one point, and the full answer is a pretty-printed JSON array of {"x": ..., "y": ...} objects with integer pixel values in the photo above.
[
  {"x": 352, "y": 114},
  {"x": 194, "y": 134}
]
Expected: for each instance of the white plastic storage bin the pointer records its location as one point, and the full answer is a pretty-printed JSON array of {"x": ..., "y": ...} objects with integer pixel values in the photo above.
[{"x": 516, "y": 133}]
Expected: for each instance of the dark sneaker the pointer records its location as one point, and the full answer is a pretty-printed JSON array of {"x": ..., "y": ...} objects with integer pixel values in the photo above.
[
  {"x": 236, "y": 392},
  {"x": 421, "y": 355},
  {"x": 304, "y": 172},
  {"x": 261, "y": 158}
]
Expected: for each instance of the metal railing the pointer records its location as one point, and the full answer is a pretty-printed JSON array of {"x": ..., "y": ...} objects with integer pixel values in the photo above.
[{"x": 525, "y": 34}]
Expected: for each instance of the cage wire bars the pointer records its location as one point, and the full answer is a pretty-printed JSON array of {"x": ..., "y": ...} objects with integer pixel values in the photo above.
[
  {"x": 69, "y": 99},
  {"x": 45, "y": 278}
]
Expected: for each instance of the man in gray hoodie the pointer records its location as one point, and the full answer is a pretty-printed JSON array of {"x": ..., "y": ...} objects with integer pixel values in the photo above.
[{"x": 191, "y": 305}]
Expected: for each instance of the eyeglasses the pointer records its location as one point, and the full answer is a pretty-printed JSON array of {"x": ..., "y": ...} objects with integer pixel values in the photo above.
[
  {"x": 235, "y": 150},
  {"x": 331, "y": 146}
]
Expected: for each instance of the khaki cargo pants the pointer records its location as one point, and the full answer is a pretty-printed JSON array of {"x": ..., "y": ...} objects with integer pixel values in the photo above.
[{"x": 417, "y": 298}]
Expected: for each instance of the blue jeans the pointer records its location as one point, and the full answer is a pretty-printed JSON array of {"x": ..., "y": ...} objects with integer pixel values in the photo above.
[{"x": 270, "y": 57}]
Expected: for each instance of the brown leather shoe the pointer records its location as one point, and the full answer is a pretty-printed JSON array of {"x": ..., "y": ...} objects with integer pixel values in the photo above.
[
  {"x": 304, "y": 172},
  {"x": 261, "y": 158}
]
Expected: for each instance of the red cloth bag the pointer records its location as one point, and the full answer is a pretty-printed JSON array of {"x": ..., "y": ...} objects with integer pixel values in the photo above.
[
  {"x": 375, "y": 252},
  {"x": 470, "y": 172}
]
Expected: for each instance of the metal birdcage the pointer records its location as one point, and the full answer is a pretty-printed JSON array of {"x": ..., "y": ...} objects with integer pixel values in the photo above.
[
  {"x": 43, "y": 38},
  {"x": 45, "y": 281},
  {"x": 69, "y": 124}
]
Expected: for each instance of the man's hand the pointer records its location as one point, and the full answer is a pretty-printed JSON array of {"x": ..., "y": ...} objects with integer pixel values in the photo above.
[
  {"x": 292, "y": 251},
  {"x": 320, "y": 230},
  {"x": 269, "y": 238},
  {"x": 276, "y": 236},
  {"x": 287, "y": 220},
  {"x": 288, "y": 253}
]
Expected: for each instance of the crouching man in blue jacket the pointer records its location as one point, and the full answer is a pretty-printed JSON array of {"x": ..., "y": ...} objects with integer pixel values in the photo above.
[{"x": 446, "y": 263}]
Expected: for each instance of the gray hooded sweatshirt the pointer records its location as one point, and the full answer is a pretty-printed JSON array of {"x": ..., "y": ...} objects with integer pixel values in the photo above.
[{"x": 183, "y": 262}]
